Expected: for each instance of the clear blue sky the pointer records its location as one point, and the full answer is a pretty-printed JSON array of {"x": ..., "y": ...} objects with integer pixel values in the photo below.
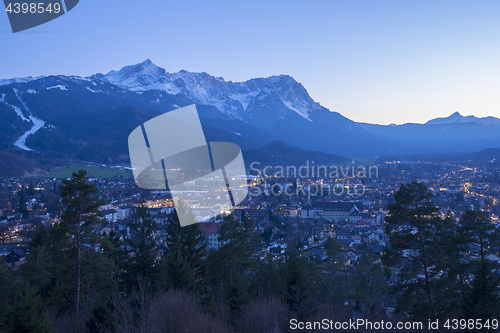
[{"x": 374, "y": 61}]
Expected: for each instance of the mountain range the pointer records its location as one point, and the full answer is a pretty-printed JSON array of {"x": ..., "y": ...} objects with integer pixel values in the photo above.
[
  {"x": 89, "y": 118},
  {"x": 452, "y": 134}
]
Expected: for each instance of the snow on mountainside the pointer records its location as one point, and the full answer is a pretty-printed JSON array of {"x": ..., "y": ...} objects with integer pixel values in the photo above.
[
  {"x": 458, "y": 118},
  {"x": 139, "y": 77},
  {"x": 232, "y": 98},
  {"x": 80, "y": 116},
  {"x": 37, "y": 123},
  {"x": 18, "y": 80}
]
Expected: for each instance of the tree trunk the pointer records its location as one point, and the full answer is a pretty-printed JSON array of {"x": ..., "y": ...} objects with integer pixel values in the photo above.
[
  {"x": 78, "y": 268},
  {"x": 426, "y": 273},
  {"x": 481, "y": 244}
]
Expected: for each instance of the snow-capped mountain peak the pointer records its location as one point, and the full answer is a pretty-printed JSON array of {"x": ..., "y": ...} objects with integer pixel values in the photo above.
[
  {"x": 456, "y": 117},
  {"x": 238, "y": 100},
  {"x": 137, "y": 77}
]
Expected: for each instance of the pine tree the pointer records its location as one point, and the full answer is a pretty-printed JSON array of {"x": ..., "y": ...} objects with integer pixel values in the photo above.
[
  {"x": 452, "y": 264},
  {"x": 27, "y": 313},
  {"x": 371, "y": 292},
  {"x": 267, "y": 280},
  {"x": 119, "y": 254},
  {"x": 143, "y": 246},
  {"x": 175, "y": 268},
  {"x": 476, "y": 228},
  {"x": 412, "y": 226},
  {"x": 298, "y": 277},
  {"x": 6, "y": 281},
  {"x": 481, "y": 300},
  {"x": 50, "y": 267},
  {"x": 79, "y": 198},
  {"x": 184, "y": 253},
  {"x": 229, "y": 267}
]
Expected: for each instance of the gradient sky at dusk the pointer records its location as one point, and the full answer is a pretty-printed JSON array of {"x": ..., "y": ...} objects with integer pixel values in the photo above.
[{"x": 372, "y": 61}]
